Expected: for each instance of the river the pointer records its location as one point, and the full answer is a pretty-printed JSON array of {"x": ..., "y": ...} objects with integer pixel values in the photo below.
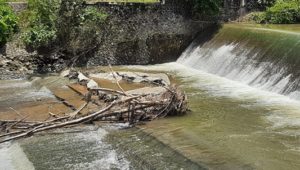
[{"x": 242, "y": 83}]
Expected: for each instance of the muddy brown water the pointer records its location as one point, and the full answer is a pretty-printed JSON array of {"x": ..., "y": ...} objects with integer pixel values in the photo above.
[
  {"x": 232, "y": 126},
  {"x": 82, "y": 147},
  {"x": 246, "y": 112}
]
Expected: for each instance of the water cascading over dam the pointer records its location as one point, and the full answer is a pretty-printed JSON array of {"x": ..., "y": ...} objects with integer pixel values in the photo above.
[
  {"x": 263, "y": 58},
  {"x": 242, "y": 84}
]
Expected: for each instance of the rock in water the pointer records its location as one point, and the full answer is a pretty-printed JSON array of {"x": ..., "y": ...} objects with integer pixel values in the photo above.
[
  {"x": 82, "y": 77},
  {"x": 65, "y": 73},
  {"x": 91, "y": 84}
]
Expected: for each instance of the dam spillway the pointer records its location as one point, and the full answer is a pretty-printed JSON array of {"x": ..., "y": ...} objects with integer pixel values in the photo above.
[
  {"x": 241, "y": 81},
  {"x": 264, "y": 58}
]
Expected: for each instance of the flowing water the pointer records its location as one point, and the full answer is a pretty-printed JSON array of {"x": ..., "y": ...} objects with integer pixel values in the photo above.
[{"x": 243, "y": 86}]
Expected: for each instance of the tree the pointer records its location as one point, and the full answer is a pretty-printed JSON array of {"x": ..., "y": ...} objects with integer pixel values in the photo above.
[
  {"x": 68, "y": 27},
  {"x": 8, "y": 22},
  {"x": 207, "y": 7}
]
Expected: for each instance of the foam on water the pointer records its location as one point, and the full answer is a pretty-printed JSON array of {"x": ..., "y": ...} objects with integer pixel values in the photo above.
[
  {"x": 257, "y": 126},
  {"x": 14, "y": 92},
  {"x": 110, "y": 161},
  {"x": 225, "y": 63},
  {"x": 5, "y": 161},
  {"x": 19, "y": 158},
  {"x": 12, "y": 157},
  {"x": 285, "y": 112},
  {"x": 15, "y": 83},
  {"x": 76, "y": 148},
  {"x": 107, "y": 159}
]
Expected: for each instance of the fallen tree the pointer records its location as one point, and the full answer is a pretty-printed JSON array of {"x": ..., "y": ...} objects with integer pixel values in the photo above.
[{"x": 113, "y": 104}]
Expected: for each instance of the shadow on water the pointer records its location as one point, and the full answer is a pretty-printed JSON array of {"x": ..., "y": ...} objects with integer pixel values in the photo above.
[{"x": 206, "y": 35}]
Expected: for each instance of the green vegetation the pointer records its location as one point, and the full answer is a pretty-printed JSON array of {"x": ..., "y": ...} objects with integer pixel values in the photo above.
[
  {"x": 142, "y": 1},
  {"x": 269, "y": 3},
  {"x": 283, "y": 12},
  {"x": 39, "y": 22},
  {"x": 8, "y": 22},
  {"x": 207, "y": 7},
  {"x": 66, "y": 27}
]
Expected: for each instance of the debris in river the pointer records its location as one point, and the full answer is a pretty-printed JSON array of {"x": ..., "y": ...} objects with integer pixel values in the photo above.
[{"x": 144, "y": 104}]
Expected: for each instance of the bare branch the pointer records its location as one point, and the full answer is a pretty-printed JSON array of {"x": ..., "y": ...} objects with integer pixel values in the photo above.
[{"x": 113, "y": 73}]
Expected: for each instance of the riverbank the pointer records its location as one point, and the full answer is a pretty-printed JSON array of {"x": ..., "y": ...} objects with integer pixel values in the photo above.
[{"x": 139, "y": 34}]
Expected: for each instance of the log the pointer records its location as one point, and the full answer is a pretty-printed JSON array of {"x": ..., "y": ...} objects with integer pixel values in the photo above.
[
  {"x": 21, "y": 135},
  {"x": 154, "y": 82},
  {"x": 137, "y": 108},
  {"x": 12, "y": 133},
  {"x": 121, "y": 112},
  {"x": 112, "y": 72},
  {"x": 13, "y": 121},
  {"x": 43, "y": 127},
  {"x": 164, "y": 108},
  {"x": 53, "y": 115},
  {"x": 132, "y": 113},
  {"x": 17, "y": 112},
  {"x": 78, "y": 110},
  {"x": 7, "y": 129},
  {"x": 108, "y": 90},
  {"x": 151, "y": 103}
]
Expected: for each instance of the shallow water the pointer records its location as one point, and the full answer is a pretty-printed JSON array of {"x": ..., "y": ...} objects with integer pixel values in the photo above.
[
  {"x": 232, "y": 126},
  {"x": 70, "y": 149},
  {"x": 84, "y": 147},
  {"x": 236, "y": 123}
]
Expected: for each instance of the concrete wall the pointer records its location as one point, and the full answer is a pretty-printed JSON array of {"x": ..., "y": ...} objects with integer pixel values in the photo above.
[
  {"x": 17, "y": 7},
  {"x": 149, "y": 33},
  {"x": 146, "y": 34},
  {"x": 235, "y": 9}
]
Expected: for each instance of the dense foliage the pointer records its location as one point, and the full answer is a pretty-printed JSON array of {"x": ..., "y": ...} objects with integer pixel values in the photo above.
[
  {"x": 283, "y": 12},
  {"x": 207, "y": 7},
  {"x": 66, "y": 26},
  {"x": 8, "y": 22},
  {"x": 269, "y": 3}
]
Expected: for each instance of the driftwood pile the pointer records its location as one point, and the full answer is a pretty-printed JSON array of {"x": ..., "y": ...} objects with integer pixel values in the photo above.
[{"x": 120, "y": 105}]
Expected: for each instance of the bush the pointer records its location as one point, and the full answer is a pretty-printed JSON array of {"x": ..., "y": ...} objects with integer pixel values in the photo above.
[
  {"x": 283, "y": 12},
  {"x": 8, "y": 22},
  {"x": 207, "y": 7},
  {"x": 38, "y": 22},
  {"x": 258, "y": 17},
  {"x": 39, "y": 36},
  {"x": 67, "y": 26}
]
